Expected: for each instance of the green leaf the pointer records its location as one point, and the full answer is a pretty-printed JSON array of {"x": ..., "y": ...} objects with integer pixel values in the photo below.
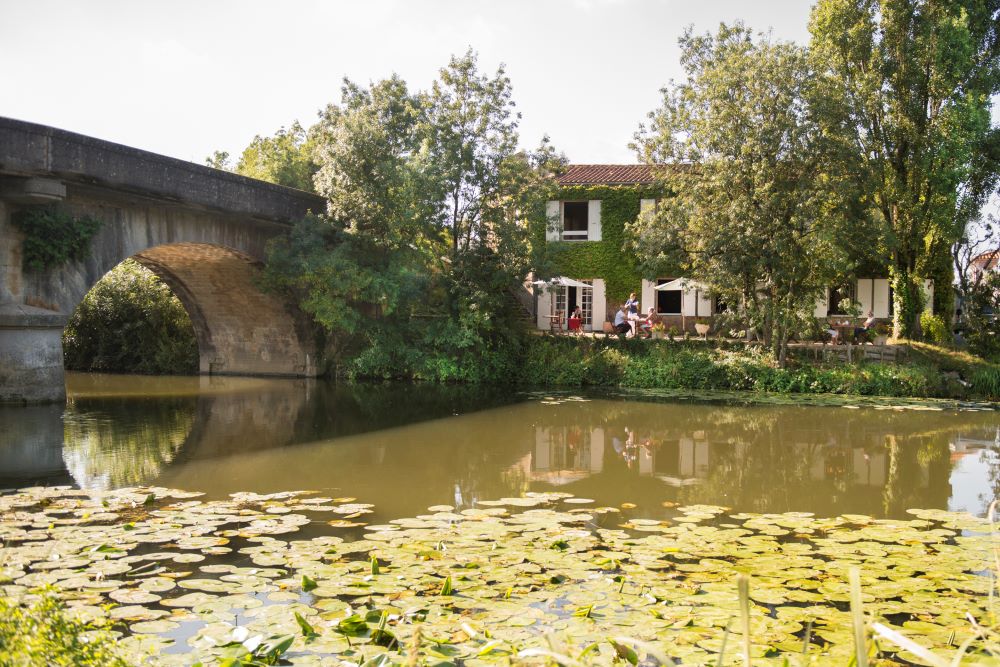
[
  {"x": 308, "y": 583},
  {"x": 446, "y": 588},
  {"x": 624, "y": 652},
  {"x": 353, "y": 626},
  {"x": 307, "y": 629}
]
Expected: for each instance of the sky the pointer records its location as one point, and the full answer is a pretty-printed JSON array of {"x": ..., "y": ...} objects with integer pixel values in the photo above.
[{"x": 185, "y": 78}]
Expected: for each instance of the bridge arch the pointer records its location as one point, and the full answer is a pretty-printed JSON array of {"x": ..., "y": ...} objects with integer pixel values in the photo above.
[{"x": 203, "y": 231}]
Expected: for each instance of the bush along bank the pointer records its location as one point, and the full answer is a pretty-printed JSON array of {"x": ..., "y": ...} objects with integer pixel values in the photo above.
[{"x": 698, "y": 365}]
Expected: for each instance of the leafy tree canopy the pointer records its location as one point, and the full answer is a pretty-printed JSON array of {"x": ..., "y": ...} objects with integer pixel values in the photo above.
[
  {"x": 759, "y": 205},
  {"x": 908, "y": 85}
]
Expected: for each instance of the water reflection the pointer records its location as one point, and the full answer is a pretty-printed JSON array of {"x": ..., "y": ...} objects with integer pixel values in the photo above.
[
  {"x": 405, "y": 448},
  {"x": 766, "y": 459}
]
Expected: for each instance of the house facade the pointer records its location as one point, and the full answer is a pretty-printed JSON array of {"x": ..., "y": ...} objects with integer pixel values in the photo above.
[{"x": 584, "y": 243}]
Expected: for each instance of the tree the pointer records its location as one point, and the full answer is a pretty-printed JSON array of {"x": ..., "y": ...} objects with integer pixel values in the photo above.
[
  {"x": 470, "y": 133},
  {"x": 976, "y": 250},
  {"x": 757, "y": 210},
  {"x": 375, "y": 248},
  {"x": 285, "y": 159},
  {"x": 130, "y": 322},
  {"x": 910, "y": 83},
  {"x": 426, "y": 231}
]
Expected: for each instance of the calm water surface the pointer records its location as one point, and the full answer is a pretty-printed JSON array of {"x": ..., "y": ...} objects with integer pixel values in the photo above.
[{"x": 404, "y": 448}]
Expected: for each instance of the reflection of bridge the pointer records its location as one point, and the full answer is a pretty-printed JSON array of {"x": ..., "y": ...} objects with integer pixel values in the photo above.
[{"x": 203, "y": 231}]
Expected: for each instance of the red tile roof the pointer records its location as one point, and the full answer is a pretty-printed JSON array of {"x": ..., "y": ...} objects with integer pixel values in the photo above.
[{"x": 607, "y": 174}]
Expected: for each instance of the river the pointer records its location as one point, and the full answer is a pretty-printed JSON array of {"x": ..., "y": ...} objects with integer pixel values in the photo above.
[{"x": 406, "y": 447}]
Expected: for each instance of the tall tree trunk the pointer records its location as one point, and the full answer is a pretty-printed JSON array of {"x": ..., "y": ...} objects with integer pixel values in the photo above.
[{"x": 908, "y": 300}]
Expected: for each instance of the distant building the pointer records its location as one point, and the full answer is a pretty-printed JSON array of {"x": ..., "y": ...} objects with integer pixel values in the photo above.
[
  {"x": 984, "y": 262},
  {"x": 595, "y": 203}
]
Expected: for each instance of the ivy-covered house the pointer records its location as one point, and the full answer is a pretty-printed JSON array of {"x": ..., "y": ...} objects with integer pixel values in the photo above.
[{"x": 585, "y": 246}]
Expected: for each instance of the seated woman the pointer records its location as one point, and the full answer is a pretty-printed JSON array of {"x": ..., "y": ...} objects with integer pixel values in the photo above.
[
  {"x": 652, "y": 319},
  {"x": 863, "y": 329},
  {"x": 575, "y": 321}
]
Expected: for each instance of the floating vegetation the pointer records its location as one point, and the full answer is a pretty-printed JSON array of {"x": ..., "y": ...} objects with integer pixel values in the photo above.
[{"x": 539, "y": 579}]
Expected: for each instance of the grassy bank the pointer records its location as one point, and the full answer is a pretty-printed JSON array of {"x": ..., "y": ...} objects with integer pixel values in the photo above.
[{"x": 927, "y": 372}]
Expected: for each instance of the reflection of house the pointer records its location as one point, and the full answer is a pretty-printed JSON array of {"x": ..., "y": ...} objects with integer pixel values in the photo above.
[
  {"x": 682, "y": 461},
  {"x": 961, "y": 446},
  {"x": 585, "y": 237},
  {"x": 566, "y": 453}
]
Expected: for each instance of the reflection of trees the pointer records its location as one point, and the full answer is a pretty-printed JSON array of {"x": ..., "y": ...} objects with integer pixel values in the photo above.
[{"x": 118, "y": 442}]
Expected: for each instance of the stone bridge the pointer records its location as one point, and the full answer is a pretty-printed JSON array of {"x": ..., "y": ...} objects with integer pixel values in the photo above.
[{"x": 203, "y": 231}]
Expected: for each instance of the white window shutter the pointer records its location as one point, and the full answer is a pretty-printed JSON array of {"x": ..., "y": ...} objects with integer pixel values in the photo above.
[
  {"x": 594, "y": 220},
  {"x": 600, "y": 306},
  {"x": 553, "y": 221},
  {"x": 880, "y": 307},
  {"x": 865, "y": 296},
  {"x": 648, "y": 296},
  {"x": 544, "y": 308},
  {"x": 688, "y": 301},
  {"x": 821, "y": 305},
  {"x": 647, "y": 207},
  {"x": 704, "y": 304}
]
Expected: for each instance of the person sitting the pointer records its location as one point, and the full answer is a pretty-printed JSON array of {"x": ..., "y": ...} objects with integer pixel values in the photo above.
[
  {"x": 575, "y": 321},
  {"x": 863, "y": 329},
  {"x": 652, "y": 319},
  {"x": 622, "y": 327}
]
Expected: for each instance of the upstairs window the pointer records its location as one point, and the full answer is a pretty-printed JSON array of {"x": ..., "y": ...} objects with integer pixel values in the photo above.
[{"x": 576, "y": 221}]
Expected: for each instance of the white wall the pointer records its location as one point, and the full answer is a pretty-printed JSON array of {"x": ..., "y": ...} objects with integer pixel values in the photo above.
[{"x": 544, "y": 308}]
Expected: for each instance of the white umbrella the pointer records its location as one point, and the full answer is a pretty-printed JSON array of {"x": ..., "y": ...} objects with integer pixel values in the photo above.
[
  {"x": 560, "y": 281},
  {"x": 681, "y": 284},
  {"x": 685, "y": 285}
]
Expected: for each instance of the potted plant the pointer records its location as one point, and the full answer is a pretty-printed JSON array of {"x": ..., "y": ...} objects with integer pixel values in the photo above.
[
  {"x": 702, "y": 326},
  {"x": 672, "y": 332},
  {"x": 659, "y": 330},
  {"x": 882, "y": 332}
]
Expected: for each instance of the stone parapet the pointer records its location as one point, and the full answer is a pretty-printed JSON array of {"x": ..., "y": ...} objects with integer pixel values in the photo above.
[{"x": 32, "y": 150}]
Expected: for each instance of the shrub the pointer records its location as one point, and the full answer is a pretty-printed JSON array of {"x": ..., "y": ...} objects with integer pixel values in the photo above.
[
  {"x": 986, "y": 382},
  {"x": 53, "y": 237},
  {"x": 935, "y": 329},
  {"x": 44, "y": 633},
  {"x": 130, "y": 322}
]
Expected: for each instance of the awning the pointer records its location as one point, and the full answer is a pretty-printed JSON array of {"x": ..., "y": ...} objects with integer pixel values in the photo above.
[
  {"x": 680, "y": 284},
  {"x": 560, "y": 281}
]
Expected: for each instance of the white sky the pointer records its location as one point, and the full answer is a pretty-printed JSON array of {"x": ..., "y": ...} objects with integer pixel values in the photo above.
[{"x": 185, "y": 78}]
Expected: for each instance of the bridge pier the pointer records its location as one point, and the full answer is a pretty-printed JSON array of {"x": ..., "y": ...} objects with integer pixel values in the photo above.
[{"x": 31, "y": 355}]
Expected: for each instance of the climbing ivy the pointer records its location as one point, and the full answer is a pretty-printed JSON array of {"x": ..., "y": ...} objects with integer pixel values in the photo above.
[
  {"x": 53, "y": 237},
  {"x": 605, "y": 258}
]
